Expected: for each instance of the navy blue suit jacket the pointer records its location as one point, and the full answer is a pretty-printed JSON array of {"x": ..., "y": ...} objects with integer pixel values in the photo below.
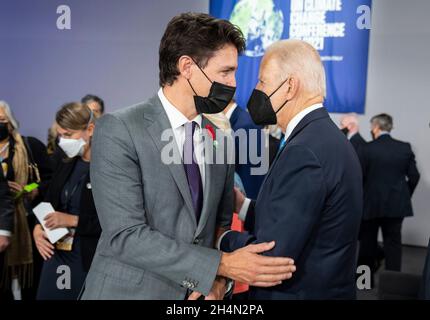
[
  {"x": 390, "y": 177},
  {"x": 240, "y": 119},
  {"x": 311, "y": 205}
]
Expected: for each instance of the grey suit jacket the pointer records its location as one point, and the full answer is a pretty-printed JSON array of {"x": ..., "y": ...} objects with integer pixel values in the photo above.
[{"x": 151, "y": 246}]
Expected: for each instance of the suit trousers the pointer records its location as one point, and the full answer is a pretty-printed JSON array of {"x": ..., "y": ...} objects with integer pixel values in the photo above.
[{"x": 392, "y": 239}]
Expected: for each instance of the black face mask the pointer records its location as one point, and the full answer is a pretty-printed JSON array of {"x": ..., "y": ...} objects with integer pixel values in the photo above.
[
  {"x": 260, "y": 107},
  {"x": 4, "y": 131},
  {"x": 218, "y": 99},
  {"x": 345, "y": 131}
]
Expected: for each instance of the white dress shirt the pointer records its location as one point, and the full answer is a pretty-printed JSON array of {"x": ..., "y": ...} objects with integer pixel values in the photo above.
[
  {"x": 5, "y": 233},
  {"x": 290, "y": 128},
  {"x": 177, "y": 121},
  {"x": 231, "y": 110}
]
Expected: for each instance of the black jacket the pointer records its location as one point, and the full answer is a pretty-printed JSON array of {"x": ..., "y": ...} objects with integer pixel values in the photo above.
[
  {"x": 390, "y": 177},
  {"x": 6, "y": 205},
  {"x": 241, "y": 120},
  {"x": 88, "y": 228},
  {"x": 357, "y": 141},
  {"x": 36, "y": 154},
  {"x": 311, "y": 205}
]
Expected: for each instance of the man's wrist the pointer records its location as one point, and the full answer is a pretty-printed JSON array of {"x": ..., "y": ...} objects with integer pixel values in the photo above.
[
  {"x": 222, "y": 279},
  {"x": 222, "y": 268}
]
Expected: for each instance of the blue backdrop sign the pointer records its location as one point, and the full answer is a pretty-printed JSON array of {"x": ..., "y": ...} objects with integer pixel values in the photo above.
[{"x": 329, "y": 25}]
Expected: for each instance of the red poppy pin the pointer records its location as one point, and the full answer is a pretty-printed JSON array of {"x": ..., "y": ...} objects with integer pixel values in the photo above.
[{"x": 211, "y": 131}]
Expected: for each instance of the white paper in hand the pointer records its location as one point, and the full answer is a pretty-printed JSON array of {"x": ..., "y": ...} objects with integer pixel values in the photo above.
[{"x": 41, "y": 211}]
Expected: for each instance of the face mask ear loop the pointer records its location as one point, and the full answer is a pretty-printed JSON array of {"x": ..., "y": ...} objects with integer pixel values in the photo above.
[
  {"x": 192, "y": 88},
  {"x": 202, "y": 71},
  {"x": 283, "y": 105},
  {"x": 278, "y": 87}
]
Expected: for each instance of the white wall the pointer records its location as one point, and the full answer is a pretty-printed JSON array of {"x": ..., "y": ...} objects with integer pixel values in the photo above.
[{"x": 399, "y": 84}]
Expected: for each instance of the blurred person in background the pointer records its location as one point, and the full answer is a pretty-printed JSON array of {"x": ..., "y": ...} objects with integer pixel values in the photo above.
[
  {"x": 350, "y": 127},
  {"x": 6, "y": 224},
  {"x": 390, "y": 176},
  {"x": 56, "y": 154},
  {"x": 95, "y": 103},
  {"x": 241, "y": 120},
  {"x": 24, "y": 161},
  {"x": 70, "y": 194}
]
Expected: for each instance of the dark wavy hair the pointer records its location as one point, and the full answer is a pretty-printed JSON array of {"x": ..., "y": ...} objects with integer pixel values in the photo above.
[{"x": 197, "y": 35}]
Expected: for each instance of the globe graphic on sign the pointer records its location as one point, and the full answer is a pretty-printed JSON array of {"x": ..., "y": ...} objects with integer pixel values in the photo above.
[{"x": 261, "y": 24}]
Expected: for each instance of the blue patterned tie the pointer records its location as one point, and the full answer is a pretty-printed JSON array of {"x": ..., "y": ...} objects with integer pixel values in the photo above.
[
  {"x": 281, "y": 146},
  {"x": 192, "y": 170}
]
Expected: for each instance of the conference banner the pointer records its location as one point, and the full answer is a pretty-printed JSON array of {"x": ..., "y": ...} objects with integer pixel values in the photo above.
[{"x": 338, "y": 29}]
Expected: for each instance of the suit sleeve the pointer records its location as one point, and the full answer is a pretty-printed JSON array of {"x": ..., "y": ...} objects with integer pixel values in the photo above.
[
  {"x": 412, "y": 173},
  {"x": 119, "y": 199},
  {"x": 295, "y": 204},
  {"x": 297, "y": 199}
]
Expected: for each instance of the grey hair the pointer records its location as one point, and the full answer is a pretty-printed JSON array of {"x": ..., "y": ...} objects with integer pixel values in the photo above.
[
  {"x": 383, "y": 121},
  {"x": 299, "y": 58},
  {"x": 9, "y": 114}
]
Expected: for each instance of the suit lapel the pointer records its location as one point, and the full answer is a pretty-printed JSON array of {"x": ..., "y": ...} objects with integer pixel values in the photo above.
[
  {"x": 210, "y": 176},
  {"x": 310, "y": 117},
  {"x": 156, "y": 122}
]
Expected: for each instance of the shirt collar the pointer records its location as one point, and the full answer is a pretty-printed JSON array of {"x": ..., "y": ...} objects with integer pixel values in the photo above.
[
  {"x": 382, "y": 133},
  {"x": 231, "y": 110},
  {"x": 299, "y": 117},
  {"x": 177, "y": 118}
]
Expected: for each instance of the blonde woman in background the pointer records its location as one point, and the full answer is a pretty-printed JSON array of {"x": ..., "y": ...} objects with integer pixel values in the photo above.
[
  {"x": 70, "y": 194},
  {"x": 24, "y": 161}
]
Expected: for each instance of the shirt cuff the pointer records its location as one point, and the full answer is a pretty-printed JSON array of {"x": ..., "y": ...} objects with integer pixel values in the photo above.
[
  {"x": 244, "y": 210},
  {"x": 218, "y": 243},
  {"x": 5, "y": 233}
]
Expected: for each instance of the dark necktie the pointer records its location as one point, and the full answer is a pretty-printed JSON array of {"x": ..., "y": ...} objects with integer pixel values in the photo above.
[
  {"x": 192, "y": 170},
  {"x": 281, "y": 146}
]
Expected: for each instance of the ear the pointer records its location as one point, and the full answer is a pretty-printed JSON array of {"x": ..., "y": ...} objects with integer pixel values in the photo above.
[
  {"x": 184, "y": 66},
  {"x": 90, "y": 129},
  {"x": 292, "y": 87}
]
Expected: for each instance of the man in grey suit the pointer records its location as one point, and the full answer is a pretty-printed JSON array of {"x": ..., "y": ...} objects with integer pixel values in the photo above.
[{"x": 161, "y": 219}]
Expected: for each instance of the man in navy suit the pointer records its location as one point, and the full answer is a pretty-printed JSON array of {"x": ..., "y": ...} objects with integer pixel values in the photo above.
[
  {"x": 310, "y": 203},
  {"x": 390, "y": 177},
  {"x": 241, "y": 120}
]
